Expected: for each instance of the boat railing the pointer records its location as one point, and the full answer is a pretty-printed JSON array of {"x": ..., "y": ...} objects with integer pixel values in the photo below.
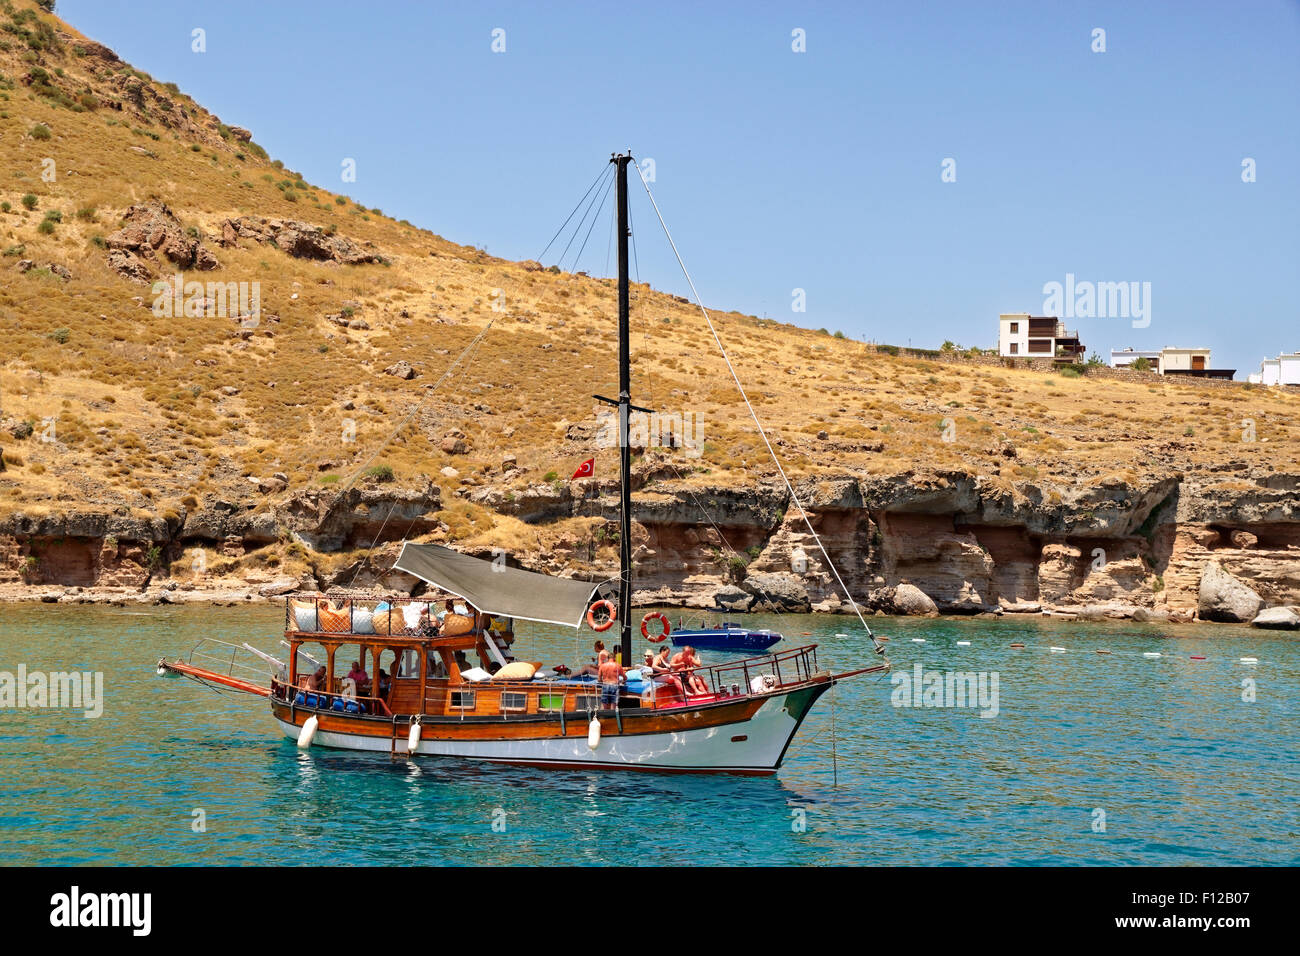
[
  {"x": 330, "y": 700},
  {"x": 365, "y": 613},
  {"x": 759, "y": 675},
  {"x": 234, "y": 660}
]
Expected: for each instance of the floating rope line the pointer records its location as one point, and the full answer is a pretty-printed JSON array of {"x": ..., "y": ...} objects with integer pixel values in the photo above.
[
  {"x": 1243, "y": 661},
  {"x": 880, "y": 648}
]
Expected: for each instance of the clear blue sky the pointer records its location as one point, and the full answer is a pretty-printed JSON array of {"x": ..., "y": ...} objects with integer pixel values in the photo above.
[{"x": 820, "y": 170}]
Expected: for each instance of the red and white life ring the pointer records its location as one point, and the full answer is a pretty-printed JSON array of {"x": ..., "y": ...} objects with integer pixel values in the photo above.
[
  {"x": 609, "y": 608},
  {"x": 653, "y": 616}
]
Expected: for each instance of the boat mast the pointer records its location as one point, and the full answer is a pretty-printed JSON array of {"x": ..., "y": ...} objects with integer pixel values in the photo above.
[{"x": 624, "y": 414}]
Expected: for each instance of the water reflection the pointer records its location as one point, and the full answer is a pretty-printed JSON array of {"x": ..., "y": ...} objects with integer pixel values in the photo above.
[{"x": 1186, "y": 770}]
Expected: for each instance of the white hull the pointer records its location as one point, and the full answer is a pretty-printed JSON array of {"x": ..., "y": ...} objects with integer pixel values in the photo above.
[{"x": 760, "y": 749}]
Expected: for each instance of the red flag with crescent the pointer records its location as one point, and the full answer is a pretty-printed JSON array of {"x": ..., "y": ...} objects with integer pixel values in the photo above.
[{"x": 586, "y": 469}]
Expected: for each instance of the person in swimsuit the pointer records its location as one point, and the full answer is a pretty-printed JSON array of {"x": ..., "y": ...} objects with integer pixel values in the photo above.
[
  {"x": 610, "y": 676},
  {"x": 661, "y": 669},
  {"x": 594, "y": 669},
  {"x": 685, "y": 662}
]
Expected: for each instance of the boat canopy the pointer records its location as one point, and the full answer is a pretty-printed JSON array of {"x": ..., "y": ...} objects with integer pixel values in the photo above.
[{"x": 496, "y": 589}]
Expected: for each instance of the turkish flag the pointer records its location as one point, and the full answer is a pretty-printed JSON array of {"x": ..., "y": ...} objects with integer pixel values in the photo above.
[{"x": 586, "y": 469}]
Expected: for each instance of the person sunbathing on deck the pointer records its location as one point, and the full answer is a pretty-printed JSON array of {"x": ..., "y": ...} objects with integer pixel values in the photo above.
[
  {"x": 685, "y": 662},
  {"x": 594, "y": 669}
]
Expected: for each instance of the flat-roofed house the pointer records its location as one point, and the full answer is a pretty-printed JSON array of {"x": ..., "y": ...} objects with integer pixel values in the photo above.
[
  {"x": 1194, "y": 362},
  {"x": 1283, "y": 370},
  {"x": 1021, "y": 335},
  {"x": 1124, "y": 358},
  {"x": 1270, "y": 372}
]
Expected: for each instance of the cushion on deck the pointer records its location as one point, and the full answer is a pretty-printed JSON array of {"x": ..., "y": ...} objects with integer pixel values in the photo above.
[{"x": 515, "y": 670}]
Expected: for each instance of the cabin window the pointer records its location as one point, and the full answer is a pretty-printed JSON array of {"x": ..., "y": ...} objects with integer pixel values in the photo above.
[
  {"x": 550, "y": 703},
  {"x": 586, "y": 702},
  {"x": 462, "y": 699},
  {"x": 513, "y": 702}
]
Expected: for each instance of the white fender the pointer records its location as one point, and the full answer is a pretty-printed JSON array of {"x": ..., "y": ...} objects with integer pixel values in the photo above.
[
  {"x": 593, "y": 734},
  {"x": 413, "y": 739},
  {"x": 308, "y": 731}
]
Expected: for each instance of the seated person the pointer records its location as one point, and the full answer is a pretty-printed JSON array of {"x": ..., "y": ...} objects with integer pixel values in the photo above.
[
  {"x": 594, "y": 669},
  {"x": 462, "y": 662},
  {"x": 610, "y": 676},
  {"x": 385, "y": 683},
  {"x": 685, "y": 662},
  {"x": 316, "y": 681},
  {"x": 661, "y": 671},
  {"x": 429, "y": 625},
  {"x": 359, "y": 675}
]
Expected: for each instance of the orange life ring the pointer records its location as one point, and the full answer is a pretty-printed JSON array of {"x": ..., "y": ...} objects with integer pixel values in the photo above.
[
  {"x": 609, "y": 622},
  {"x": 645, "y": 631}
]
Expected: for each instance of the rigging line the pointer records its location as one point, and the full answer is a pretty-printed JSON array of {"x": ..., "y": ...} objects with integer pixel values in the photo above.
[
  {"x": 470, "y": 351},
  {"x": 400, "y": 425},
  {"x": 603, "y": 172},
  {"x": 631, "y": 231},
  {"x": 578, "y": 228},
  {"x": 578, "y": 257},
  {"x": 880, "y": 648},
  {"x": 650, "y": 390}
]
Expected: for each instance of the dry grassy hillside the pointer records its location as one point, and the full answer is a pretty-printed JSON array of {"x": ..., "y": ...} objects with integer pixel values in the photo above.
[{"x": 157, "y": 413}]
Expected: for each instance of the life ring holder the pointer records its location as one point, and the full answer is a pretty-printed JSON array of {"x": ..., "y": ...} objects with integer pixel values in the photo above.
[
  {"x": 609, "y": 608},
  {"x": 662, "y": 619}
]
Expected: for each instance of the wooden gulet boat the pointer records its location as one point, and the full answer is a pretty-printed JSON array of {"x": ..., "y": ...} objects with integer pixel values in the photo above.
[{"x": 739, "y": 717}]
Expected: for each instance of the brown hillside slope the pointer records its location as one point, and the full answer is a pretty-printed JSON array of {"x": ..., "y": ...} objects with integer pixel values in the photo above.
[{"x": 107, "y": 408}]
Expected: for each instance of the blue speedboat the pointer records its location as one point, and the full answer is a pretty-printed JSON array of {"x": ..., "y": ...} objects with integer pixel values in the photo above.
[{"x": 727, "y": 637}]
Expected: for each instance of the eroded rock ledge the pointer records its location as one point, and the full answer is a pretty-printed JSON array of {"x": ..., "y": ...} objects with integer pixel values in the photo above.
[{"x": 1169, "y": 547}]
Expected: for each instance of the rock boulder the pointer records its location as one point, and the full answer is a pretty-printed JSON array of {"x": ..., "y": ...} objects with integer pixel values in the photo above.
[{"x": 1223, "y": 598}]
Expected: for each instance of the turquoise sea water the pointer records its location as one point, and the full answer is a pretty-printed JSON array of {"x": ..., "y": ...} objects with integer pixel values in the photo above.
[{"x": 1185, "y": 771}]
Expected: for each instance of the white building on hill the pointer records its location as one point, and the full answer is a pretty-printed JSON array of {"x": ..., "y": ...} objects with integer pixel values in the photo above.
[{"x": 1283, "y": 370}]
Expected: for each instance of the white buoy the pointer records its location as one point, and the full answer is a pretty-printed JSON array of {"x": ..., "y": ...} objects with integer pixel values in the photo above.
[
  {"x": 1058, "y": 650},
  {"x": 963, "y": 643},
  {"x": 841, "y": 634},
  {"x": 1150, "y": 653},
  {"x": 1250, "y": 660},
  {"x": 308, "y": 732},
  {"x": 918, "y": 640},
  {"x": 593, "y": 734},
  {"x": 413, "y": 738}
]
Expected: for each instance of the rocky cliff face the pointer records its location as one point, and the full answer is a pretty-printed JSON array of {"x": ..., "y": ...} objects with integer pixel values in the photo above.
[{"x": 1171, "y": 547}]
